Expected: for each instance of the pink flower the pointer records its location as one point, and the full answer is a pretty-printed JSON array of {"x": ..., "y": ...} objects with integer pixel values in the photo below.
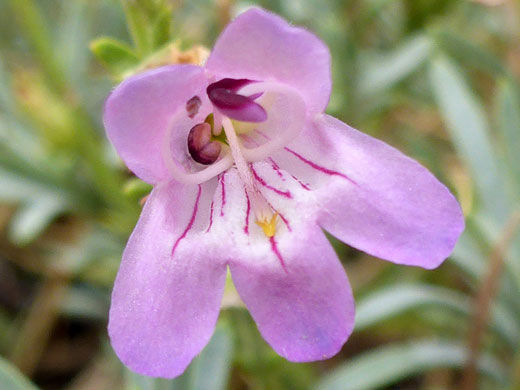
[{"x": 247, "y": 171}]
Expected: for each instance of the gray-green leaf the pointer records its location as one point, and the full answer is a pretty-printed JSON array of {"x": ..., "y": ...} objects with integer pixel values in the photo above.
[
  {"x": 388, "y": 364},
  {"x": 12, "y": 379}
]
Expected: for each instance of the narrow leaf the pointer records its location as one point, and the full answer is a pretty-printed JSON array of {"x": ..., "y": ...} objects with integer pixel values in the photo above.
[
  {"x": 208, "y": 371},
  {"x": 387, "y": 365},
  {"x": 162, "y": 27},
  {"x": 384, "y": 72},
  {"x": 72, "y": 39},
  {"x": 508, "y": 104},
  {"x": 468, "y": 53},
  {"x": 12, "y": 379},
  {"x": 392, "y": 301},
  {"x": 30, "y": 221},
  {"x": 467, "y": 125},
  {"x": 115, "y": 55}
]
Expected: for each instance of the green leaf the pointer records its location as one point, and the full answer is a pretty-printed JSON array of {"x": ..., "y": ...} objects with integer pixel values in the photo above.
[
  {"x": 12, "y": 379},
  {"x": 508, "y": 104},
  {"x": 135, "y": 188},
  {"x": 34, "y": 27},
  {"x": 387, "y": 365},
  {"x": 38, "y": 196},
  {"x": 32, "y": 219},
  {"x": 72, "y": 39},
  {"x": 86, "y": 303},
  {"x": 383, "y": 72},
  {"x": 25, "y": 186},
  {"x": 138, "y": 382},
  {"x": 138, "y": 24},
  {"x": 209, "y": 370},
  {"x": 468, "y": 255},
  {"x": 392, "y": 301},
  {"x": 469, "y": 53},
  {"x": 40, "y": 191},
  {"x": 162, "y": 27},
  {"x": 468, "y": 128},
  {"x": 116, "y": 56},
  {"x": 6, "y": 96}
]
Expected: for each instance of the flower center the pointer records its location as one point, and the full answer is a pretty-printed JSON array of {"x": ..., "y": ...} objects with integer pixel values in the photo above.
[{"x": 245, "y": 121}]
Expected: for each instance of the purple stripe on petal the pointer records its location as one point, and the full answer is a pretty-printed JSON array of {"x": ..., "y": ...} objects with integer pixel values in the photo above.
[
  {"x": 319, "y": 167},
  {"x": 277, "y": 253},
  {"x": 223, "y": 186},
  {"x": 302, "y": 184},
  {"x": 285, "y": 194},
  {"x": 190, "y": 223},
  {"x": 248, "y": 211},
  {"x": 285, "y": 220},
  {"x": 276, "y": 168},
  {"x": 210, "y": 216},
  {"x": 223, "y": 94}
]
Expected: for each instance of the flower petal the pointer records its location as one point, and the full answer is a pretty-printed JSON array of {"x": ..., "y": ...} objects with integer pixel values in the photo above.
[
  {"x": 139, "y": 110},
  {"x": 285, "y": 120},
  {"x": 167, "y": 293},
  {"x": 259, "y": 45},
  {"x": 293, "y": 283},
  {"x": 373, "y": 197},
  {"x": 303, "y": 308}
]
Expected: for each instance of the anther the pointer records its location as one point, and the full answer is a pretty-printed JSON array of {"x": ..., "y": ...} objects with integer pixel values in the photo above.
[
  {"x": 193, "y": 105},
  {"x": 200, "y": 146}
]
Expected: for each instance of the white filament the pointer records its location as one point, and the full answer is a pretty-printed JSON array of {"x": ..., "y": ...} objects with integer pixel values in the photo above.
[{"x": 259, "y": 205}]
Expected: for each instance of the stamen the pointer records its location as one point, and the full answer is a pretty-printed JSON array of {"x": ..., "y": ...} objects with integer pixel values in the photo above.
[
  {"x": 264, "y": 215},
  {"x": 200, "y": 146},
  {"x": 179, "y": 172},
  {"x": 193, "y": 105},
  {"x": 223, "y": 94}
]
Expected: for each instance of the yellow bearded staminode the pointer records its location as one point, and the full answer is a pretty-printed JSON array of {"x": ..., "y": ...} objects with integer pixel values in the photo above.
[{"x": 268, "y": 226}]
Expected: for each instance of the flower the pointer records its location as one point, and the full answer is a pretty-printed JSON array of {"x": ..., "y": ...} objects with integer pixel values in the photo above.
[{"x": 248, "y": 171}]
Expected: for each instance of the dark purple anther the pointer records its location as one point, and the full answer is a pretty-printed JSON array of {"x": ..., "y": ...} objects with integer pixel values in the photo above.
[
  {"x": 193, "y": 105},
  {"x": 200, "y": 146},
  {"x": 223, "y": 94}
]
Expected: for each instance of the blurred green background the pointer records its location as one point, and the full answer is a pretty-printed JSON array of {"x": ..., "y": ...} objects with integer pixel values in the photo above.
[{"x": 438, "y": 79}]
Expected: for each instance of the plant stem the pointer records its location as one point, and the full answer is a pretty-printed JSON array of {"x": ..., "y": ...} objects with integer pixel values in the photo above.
[
  {"x": 484, "y": 299},
  {"x": 40, "y": 321}
]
